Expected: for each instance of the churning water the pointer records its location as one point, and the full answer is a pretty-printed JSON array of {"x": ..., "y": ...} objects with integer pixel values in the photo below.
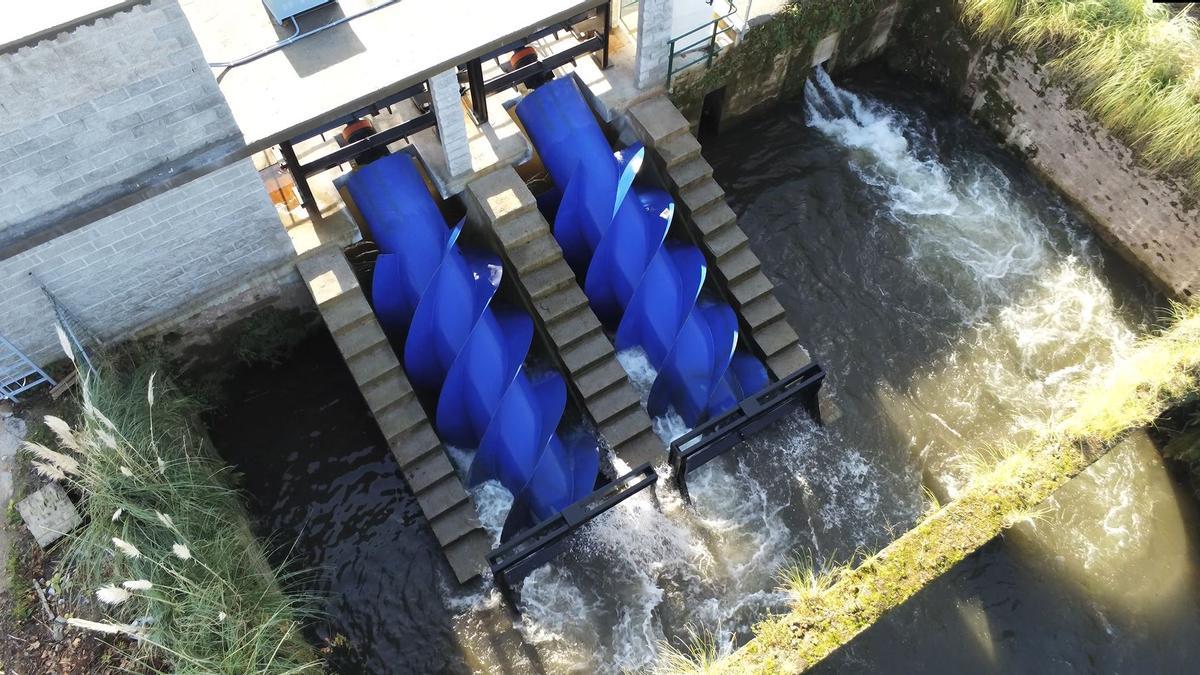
[
  {"x": 954, "y": 301},
  {"x": 957, "y": 302}
]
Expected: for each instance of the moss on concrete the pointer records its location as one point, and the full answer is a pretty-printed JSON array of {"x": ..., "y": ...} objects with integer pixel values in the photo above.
[
  {"x": 793, "y": 32},
  {"x": 1133, "y": 393}
]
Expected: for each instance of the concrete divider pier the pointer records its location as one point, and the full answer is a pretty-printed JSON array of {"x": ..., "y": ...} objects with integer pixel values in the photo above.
[
  {"x": 700, "y": 203},
  {"x": 410, "y": 436},
  {"x": 561, "y": 313}
]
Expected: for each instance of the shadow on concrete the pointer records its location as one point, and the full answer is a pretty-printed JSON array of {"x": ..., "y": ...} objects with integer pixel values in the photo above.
[{"x": 314, "y": 54}]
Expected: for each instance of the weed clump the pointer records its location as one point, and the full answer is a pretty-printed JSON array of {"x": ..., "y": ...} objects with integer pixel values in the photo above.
[
  {"x": 1134, "y": 64},
  {"x": 167, "y": 551}
]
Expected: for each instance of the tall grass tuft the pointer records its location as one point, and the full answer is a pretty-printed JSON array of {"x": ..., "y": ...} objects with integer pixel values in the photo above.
[
  {"x": 1135, "y": 64},
  {"x": 696, "y": 655},
  {"x": 167, "y": 550}
]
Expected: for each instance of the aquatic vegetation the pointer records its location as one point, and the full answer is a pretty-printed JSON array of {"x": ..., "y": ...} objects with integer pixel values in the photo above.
[
  {"x": 797, "y": 25},
  {"x": 1161, "y": 370},
  {"x": 806, "y": 579},
  {"x": 1134, "y": 64},
  {"x": 167, "y": 550},
  {"x": 698, "y": 655}
]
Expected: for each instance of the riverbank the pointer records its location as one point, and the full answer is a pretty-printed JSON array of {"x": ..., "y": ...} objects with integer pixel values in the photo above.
[
  {"x": 1162, "y": 370},
  {"x": 1034, "y": 93}
]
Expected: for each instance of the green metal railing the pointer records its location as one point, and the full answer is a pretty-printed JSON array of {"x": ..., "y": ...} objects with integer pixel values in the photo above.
[{"x": 708, "y": 43}]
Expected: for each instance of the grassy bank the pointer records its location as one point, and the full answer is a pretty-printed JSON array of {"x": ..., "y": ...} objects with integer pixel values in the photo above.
[
  {"x": 166, "y": 551},
  {"x": 1135, "y": 65},
  {"x": 833, "y": 606}
]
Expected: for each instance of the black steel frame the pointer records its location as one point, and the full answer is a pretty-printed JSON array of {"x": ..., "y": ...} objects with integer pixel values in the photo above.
[
  {"x": 301, "y": 172},
  {"x": 513, "y": 561},
  {"x": 479, "y": 89},
  {"x": 716, "y": 437}
]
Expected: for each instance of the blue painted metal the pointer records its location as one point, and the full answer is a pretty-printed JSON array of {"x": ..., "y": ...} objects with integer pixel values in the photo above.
[
  {"x": 466, "y": 350},
  {"x": 646, "y": 287},
  {"x": 18, "y": 373}
]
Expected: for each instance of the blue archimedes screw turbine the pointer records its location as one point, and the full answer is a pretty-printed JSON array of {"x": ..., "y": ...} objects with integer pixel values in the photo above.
[
  {"x": 466, "y": 350},
  {"x": 645, "y": 287}
]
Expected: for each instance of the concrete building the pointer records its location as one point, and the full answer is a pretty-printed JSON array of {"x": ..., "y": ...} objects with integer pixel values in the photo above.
[
  {"x": 126, "y": 167},
  {"x": 172, "y": 165}
]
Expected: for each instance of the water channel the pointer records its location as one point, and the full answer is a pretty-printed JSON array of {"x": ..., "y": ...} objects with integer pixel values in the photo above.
[{"x": 954, "y": 300}]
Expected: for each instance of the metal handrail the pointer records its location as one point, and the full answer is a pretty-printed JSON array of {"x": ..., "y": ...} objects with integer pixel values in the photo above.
[
  {"x": 25, "y": 374},
  {"x": 710, "y": 40}
]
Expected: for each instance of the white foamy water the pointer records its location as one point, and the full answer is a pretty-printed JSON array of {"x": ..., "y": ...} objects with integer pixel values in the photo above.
[
  {"x": 1037, "y": 319},
  {"x": 658, "y": 568}
]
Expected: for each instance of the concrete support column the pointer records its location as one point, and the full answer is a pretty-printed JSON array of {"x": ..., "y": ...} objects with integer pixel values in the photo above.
[
  {"x": 654, "y": 32},
  {"x": 452, "y": 126}
]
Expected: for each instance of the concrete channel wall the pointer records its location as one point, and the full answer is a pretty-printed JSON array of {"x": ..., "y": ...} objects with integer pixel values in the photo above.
[
  {"x": 103, "y": 128},
  {"x": 760, "y": 70},
  {"x": 1150, "y": 220}
]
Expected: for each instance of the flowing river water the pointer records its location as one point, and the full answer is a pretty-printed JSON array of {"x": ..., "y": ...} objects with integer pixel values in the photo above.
[{"x": 953, "y": 299}]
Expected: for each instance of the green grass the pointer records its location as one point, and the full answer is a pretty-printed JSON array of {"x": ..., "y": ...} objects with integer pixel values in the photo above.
[
  {"x": 19, "y": 590},
  {"x": 697, "y": 654},
  {"x": 831, "y": 607},
  {"x": 167, "y": 537},
  {"x": 1135, "y": 65}
]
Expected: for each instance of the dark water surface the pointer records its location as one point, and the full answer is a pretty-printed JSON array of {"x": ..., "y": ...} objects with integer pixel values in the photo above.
[
  {"x": 327, "y": 493},
  {"x": 956, "y": 301}
]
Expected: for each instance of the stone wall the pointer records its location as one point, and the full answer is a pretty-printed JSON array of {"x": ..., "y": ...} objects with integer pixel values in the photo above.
[
  {"x": 100, "y": 111},
  {"x": 774, "y": 59},
  {"x": 162, "y": 257},
  {"x": 109, "y": 199},
  {"x": 1150, "y": 220}
]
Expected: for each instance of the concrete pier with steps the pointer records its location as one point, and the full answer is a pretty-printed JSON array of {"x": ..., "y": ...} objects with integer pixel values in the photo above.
[
  {"x": 700, "y": 203},
  {"x": 401, "y": 418},
  {"x": 597, "y": 381}
]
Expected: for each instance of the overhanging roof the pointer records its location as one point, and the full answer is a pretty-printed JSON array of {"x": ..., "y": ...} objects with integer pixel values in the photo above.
[{"x": 347, "y": 67}]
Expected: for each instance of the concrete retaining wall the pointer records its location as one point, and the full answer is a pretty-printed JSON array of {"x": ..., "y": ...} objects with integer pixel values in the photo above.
[
  {"x": 1144, "y": 217},
  {"x": 759, "y": 71},
  {"x": 149, "y": 262},
  {"x": 101, "y": 127}
]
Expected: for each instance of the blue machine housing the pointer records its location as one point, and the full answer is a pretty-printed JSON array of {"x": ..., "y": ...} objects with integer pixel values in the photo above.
[
  {"x": 646, "y": 288},
  {"x": 466, "y": 350}
]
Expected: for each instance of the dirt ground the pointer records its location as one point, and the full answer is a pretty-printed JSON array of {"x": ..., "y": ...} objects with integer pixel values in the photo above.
[
  {"x": 33, "y": 636},
  {"x": 32, "y": 642}
]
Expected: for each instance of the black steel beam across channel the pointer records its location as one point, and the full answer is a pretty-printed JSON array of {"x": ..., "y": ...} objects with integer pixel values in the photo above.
[
  {"x": 551, "y": 62},
  {"x": 372, "y": 109},
  {"x": 513, "y": 561},
  {"x": 716, "y": 437},
  {"x": 385, "y": 137}
]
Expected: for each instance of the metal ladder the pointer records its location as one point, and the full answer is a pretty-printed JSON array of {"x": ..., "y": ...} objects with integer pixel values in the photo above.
[{"x": 17, "y": 373}]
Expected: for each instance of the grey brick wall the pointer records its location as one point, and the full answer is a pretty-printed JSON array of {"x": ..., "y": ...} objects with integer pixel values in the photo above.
[
  {"x": 85, "y": 114},
  {"x": 452, "y": 126},
  {"x": 654, "y": 34},
  {"x": 145, "y": 263}
]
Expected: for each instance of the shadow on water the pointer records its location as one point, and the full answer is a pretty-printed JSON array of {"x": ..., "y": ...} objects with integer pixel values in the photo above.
[
  {"x": 1042, "y": 598},
  {"x": 327, "y": 493},
  {"x": 955, "y": 301}
]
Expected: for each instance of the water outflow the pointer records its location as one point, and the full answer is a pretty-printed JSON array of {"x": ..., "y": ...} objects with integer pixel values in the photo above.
[
  {"x": 465, "y": 350},
  {"x": 649, "y": 289},
  {"x": 994, "y": 280}
]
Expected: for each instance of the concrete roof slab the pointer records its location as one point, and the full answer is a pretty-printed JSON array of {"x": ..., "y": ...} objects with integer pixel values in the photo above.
[{"x": 342, "y": 69}]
